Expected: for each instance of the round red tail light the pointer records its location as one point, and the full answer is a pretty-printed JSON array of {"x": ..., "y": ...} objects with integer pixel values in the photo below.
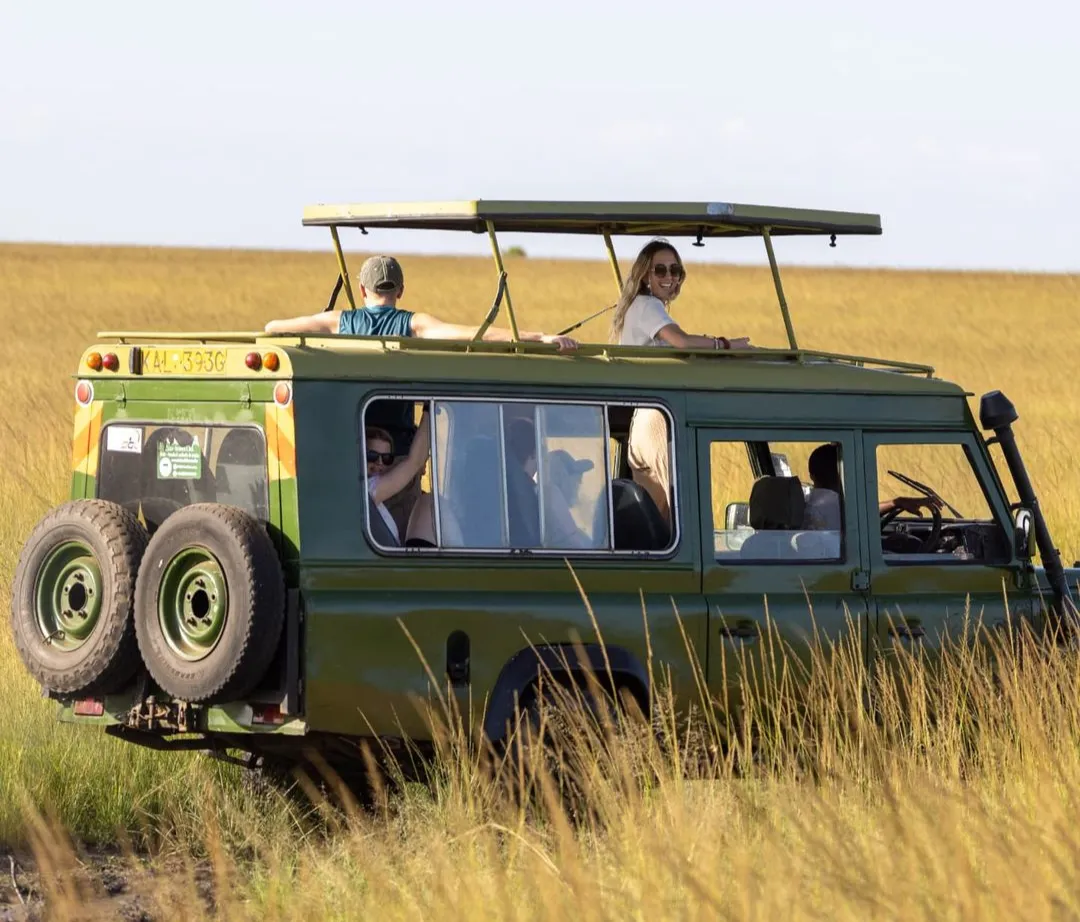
[
  {"x": 282, "y": 394},
  {"x": 110, "y": 361},
  {"x": 93, "y": 361},
  {"x": 84, "y": 393},
  {"x": 253, "y": 361},
  {"x": 271, "y": 362}
]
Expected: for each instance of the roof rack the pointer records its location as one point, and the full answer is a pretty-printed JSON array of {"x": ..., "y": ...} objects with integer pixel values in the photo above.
[
  {"x": 670, "y": 219},
  {"x": 600, "y": 350}
]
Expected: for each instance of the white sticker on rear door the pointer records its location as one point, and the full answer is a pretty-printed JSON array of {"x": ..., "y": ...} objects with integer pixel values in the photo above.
[{"x": 124, "y": 438}]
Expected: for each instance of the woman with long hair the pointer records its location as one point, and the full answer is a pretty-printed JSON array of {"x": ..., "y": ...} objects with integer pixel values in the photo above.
[
  {"x": 642, "y": 319},
  {"x": 641, "y": 313}
]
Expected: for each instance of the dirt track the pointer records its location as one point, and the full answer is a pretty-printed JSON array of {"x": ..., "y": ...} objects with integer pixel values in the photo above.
[{"x": 103, "y": 885}]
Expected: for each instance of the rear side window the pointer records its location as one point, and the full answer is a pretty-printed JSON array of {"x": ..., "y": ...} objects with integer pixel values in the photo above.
[
  {"x": 511, "y": 476},
  {"x": 153, "y": 470}
]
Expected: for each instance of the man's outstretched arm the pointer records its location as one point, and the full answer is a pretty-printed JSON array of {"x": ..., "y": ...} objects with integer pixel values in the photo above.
[
  {"x": 322, "y": 322},
  {"x": 427, "y": 327}
]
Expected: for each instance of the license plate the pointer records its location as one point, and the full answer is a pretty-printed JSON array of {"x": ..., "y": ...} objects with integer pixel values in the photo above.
[{"x": 184, "y": 361}]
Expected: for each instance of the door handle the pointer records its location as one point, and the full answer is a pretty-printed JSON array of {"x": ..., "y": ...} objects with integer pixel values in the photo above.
[
  {"x": 908, "y": 631},
  {"x": 740, "y": 630}
]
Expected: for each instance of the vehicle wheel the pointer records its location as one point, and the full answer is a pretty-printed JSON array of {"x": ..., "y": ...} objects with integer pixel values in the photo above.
[
  {"x": 71, "y": 603},
  {"x": 209, "y": 603}
]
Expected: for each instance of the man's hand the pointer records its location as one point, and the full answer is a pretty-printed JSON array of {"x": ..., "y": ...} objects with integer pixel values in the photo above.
[{"x": 565, "y": 343}]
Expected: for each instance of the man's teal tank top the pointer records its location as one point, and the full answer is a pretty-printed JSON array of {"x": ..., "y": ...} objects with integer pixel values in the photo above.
[{"x": 382, "y": 320}]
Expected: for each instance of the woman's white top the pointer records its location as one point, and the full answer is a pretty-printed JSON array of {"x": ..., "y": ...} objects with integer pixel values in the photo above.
[{"x": 645, "y": 317}]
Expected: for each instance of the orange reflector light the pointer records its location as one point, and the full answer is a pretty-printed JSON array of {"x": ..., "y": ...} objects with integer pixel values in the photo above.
[
  {"x": 271, "y": 361},
  {"x": 266, "y": 714},
  {"x": 253, "y": 361},
  {"x": 282, "y": 394},
  {"x": 93, "y": 361},
  {"x": 110, "y": 361},
  {"x": 89, "y": 707},
  {"x": 84, "y": 393}
]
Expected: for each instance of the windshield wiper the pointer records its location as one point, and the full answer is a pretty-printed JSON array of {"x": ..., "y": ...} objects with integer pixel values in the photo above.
[{"x": 926, "y": 491}]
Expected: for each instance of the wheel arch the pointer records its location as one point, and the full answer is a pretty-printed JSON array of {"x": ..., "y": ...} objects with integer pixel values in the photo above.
[{"x": 521, "y": 672}]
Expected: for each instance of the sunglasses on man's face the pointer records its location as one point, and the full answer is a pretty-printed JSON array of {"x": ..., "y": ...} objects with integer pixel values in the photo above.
[
  {"x": 662, "y": 271},
  {"x": 374, "y": 457}
]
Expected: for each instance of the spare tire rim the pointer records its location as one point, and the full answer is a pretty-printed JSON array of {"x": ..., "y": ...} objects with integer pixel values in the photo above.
[
  {"x": 193, "y": 602},
  {"x": 67, "y": 595}
]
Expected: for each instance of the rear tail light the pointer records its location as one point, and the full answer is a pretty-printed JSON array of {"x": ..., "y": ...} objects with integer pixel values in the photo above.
[
  {"x": 253, "y": 361},
  {"x": 110, "y": 361},
  {"x": 266, "y": 714},
  {"x": 89, "y": 707},
  {"x": 270, "y": 361},
  {"x": 93, "y": 361},
  {"x": 282, "y": 394},
  {"x": 84, "y": 393}
]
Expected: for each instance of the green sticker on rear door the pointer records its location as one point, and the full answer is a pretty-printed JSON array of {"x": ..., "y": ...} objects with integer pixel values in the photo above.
[{"x": 179, "y": 462}]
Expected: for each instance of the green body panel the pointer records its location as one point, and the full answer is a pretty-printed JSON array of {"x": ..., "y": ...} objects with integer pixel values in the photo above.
[{"x": 361, "y": 673}]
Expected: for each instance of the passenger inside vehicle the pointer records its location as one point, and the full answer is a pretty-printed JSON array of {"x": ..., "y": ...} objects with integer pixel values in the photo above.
[{"x": 386, "y": 479}]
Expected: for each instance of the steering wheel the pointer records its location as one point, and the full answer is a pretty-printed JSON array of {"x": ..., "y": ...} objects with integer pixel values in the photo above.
[{"x": 932, "y": 541}]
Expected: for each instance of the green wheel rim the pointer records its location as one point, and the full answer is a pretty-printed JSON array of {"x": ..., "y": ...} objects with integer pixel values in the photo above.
[
  {"x": 67, "y": 596},
  {"x": 193, "y": 603}
]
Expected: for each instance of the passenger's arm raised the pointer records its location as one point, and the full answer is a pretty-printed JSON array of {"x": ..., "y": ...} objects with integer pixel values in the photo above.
[
  {"x": 401, "y": 474},
  {"x": 427, "y": 327},
  {"x": 323, "y": 322}
]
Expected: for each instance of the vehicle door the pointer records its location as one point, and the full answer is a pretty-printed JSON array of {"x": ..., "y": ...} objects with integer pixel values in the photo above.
[
  {"x": 929, "y": 584},
  {"x": 771, "y": 583}
]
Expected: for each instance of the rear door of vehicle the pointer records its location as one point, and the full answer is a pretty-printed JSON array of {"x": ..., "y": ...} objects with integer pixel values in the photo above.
[{"x": 813, "y": 593}]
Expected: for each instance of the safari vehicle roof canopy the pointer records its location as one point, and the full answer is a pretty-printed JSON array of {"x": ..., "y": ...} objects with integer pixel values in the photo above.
[
  {"x": 664, "y": 219},
  {"x": 668, "y": 219}
]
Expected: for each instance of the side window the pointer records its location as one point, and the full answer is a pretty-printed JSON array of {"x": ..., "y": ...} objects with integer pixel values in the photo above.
[
  {"x": 515, "y": 475},
  {"x": 912, "y": 480},
  {"x": 776, "y": 501}
]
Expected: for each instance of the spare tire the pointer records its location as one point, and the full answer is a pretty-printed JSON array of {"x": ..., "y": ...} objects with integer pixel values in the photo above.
[
  {"x": 72, "y": 600},
  {"x": 209, "y": 603}
]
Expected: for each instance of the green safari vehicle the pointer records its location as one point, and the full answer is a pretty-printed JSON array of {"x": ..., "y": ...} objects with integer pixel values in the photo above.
[{"x": 221, "y": 581}]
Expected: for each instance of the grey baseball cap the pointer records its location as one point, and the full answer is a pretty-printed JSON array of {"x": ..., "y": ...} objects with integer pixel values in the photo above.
[{"x": 382, "y": 274}]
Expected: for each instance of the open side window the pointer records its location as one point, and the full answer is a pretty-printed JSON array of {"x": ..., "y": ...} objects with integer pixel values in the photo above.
[{"x": 518, "y": 476}]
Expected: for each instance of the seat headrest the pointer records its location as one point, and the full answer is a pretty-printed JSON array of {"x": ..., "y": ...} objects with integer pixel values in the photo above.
[{"x": 777, "y": 503}]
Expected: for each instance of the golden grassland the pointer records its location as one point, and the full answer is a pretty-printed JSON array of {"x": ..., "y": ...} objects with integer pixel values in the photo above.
[{"x": 959, "y": 802}]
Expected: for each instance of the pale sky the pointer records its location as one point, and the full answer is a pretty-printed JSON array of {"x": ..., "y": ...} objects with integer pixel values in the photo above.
[{"x": 213, "y": 124}]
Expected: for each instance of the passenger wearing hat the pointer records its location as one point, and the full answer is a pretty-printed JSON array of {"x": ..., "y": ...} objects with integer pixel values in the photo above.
[{"x": 382, "y": 284}]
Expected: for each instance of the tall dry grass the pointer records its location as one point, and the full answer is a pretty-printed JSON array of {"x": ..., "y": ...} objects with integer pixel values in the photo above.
[{"x": 958, "y": 801}]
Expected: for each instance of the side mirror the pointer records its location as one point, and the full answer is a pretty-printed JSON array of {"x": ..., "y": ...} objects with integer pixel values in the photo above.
[
  {"x": 1022, "y": 521},
  {"x": 736, "y": 516}
]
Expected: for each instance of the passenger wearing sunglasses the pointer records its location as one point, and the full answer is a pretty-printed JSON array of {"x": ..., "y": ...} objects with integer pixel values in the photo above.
[
  {"x": 642, "y": 319},
  {"x": 385, "y": 479},
  {"x": 641, "y": 313}
]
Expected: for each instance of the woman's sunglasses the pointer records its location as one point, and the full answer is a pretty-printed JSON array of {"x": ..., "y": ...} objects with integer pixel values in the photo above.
[
  {"x": 386, "y": 457},
  {"x": 661, "y": 270}
]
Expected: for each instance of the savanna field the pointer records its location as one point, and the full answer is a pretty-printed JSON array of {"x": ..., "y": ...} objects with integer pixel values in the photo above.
[{"x": 957, "y": 800}]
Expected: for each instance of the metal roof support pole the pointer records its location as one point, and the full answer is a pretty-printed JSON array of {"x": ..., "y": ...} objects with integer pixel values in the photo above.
[
  {"x": 779, "y": 289},
  {"x": 614, "y": 261},
  {"x": 342, "y": 268},
  {"x": 499, "y": 265}
]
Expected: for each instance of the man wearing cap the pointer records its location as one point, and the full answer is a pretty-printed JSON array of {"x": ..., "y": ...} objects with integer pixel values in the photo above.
[{"x": 382, "y": 284}]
